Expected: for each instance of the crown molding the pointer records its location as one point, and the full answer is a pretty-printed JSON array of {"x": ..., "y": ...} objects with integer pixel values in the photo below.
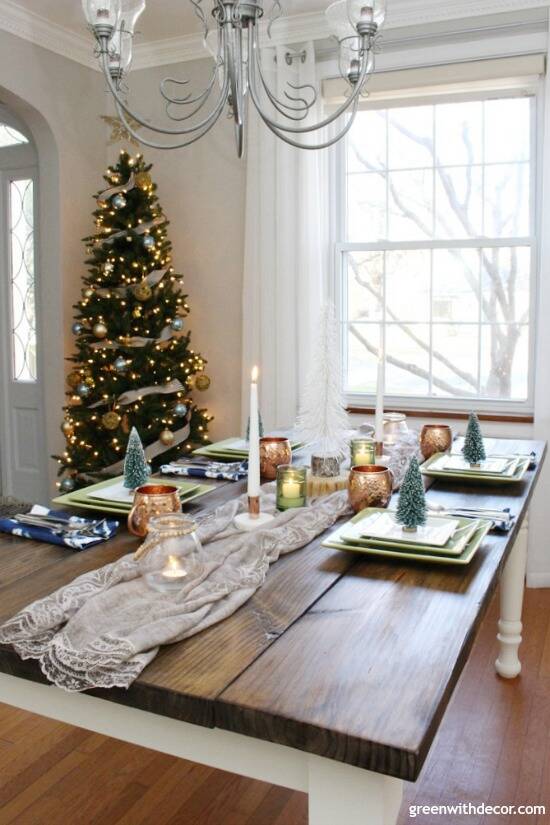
[
  {"x": 38, "y": 30},
  {"x": 42, "y": 32}
]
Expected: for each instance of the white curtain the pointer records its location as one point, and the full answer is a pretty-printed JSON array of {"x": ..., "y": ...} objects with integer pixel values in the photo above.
[{"x": 285, "y": 255}]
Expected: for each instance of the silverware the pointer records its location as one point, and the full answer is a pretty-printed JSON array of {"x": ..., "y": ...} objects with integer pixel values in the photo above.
[
  {"x": 480, "y": 512},
  {"x": 58, "y": 525}
]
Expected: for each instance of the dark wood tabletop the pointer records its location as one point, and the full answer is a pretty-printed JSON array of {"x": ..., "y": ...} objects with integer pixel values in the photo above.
[{"x": 345, "y": 656}]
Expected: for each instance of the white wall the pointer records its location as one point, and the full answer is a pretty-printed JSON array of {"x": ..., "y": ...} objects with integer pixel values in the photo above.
[{"x": 202, "y": 191}]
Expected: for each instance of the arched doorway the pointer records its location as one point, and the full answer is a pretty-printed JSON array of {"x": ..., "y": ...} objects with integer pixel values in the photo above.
[{"x": 23, "y": 450}]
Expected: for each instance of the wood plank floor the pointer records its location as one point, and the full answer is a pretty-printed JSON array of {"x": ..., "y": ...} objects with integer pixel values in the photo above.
[{"x": 493, "y": 747}]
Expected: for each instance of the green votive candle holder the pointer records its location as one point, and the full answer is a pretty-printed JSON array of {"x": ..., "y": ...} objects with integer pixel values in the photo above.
[
  {"x": 291, "y": 486},
  {"x": 363, "y": 452}
]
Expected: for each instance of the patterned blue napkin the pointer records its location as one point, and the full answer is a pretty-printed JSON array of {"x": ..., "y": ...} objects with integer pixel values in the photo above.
[
  {"x": 214, "y": 469},
  {"x": 75, "y": 540}
]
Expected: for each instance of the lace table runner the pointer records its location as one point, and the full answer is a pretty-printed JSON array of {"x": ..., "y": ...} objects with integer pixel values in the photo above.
[{"x": 103, "y": 629}]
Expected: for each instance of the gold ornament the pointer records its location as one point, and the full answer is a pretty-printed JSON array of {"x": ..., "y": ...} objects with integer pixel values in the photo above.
[
  {"x": 100, "y": 330},
  {"x": 67, "y": 429},
  {"x": 137, "y": 312},
  {"x": 88, "y": 293},
  {"x": 143, "y": 291},
  {"x": 143, "y": 180},
  {"x": 111, "y": 420},
  {"x": 89, "y": 381},
  {"x": 167, "y": 437},
  {"x": 202, "y": 382},
  {"x": 73, "y": 379}
]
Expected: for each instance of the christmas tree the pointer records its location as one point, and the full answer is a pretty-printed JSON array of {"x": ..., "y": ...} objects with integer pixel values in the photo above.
[
  {"x": 474, "y": 449},
  {"x": 323, "y": 419},
  {"x": 136, "y": 469},
  {"x": 133, "y": 364},
  {"x": 411, "y": 508}
]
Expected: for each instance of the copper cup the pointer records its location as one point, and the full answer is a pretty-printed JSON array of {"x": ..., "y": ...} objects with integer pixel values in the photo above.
[
  {"x": 370, "y": 485},
  {"x": 435, "y": 438},
  {"x": 273, "y": 452},
  {"x": 149, "y": 501}
]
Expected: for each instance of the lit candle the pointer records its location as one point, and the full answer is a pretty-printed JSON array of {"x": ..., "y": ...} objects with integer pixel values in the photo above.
[
  {"x": 380, "y": 381},
  {"x": 291, "y": 489},
  {"x": 254, "y": 440},
  {"x": 173, "y": 569}
]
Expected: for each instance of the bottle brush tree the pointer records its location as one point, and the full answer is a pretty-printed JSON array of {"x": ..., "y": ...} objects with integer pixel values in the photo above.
[
  {"x": 136, "y": 468},
  {"x": 133, "y": 363},
  {"x": 474, "y": 448},
  {"x": 411, "y": 507}
]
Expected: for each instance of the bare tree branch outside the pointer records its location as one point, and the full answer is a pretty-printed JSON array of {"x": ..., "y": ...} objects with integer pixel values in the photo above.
[{"x": 447, "y": 186}]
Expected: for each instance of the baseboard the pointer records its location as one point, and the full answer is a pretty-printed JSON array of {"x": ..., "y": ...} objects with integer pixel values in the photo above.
[{"x": 537, "y": 580}]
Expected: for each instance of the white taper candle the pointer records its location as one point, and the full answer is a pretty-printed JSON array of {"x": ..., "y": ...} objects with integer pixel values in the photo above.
[
  {"x": 254, "y": 439},
  {"x": 380, "y": 388}
]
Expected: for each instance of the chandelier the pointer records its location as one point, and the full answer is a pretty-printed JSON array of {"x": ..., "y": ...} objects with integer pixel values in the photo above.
[{"x": 238, "y": 75}]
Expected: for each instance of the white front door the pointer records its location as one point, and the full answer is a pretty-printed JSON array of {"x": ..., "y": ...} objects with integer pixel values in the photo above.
[{"x": 22, "y": 436}]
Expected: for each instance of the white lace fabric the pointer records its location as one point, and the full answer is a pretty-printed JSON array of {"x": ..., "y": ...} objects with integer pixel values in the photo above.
[{"x": 105, "y": 627}]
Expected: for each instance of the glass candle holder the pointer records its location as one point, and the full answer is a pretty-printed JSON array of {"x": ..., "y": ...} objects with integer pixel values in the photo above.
[
  {"x": 363, "y": 451},
  {"x": 291, "y": 487},
  {"x": 395, "y": 426},
  {"x": 169, "y": 556},
  {"x": 274, "y": 451}
]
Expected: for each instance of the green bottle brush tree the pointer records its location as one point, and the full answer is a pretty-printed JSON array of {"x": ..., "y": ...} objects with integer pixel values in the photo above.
[
  {"x": 411, "y": 507},
  {"x": 474, "y": 448}
]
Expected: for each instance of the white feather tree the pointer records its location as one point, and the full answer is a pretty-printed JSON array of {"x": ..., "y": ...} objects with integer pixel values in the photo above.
[{"x": 323, "y": 418}]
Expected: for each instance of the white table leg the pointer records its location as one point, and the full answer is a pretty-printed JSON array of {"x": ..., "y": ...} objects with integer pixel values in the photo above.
[
  {"x": 342, "y": 795},
  {"x": 512, "y": 586}
]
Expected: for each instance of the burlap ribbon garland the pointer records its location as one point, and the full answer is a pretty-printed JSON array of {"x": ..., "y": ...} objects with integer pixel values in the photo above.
[
  {"x": 166, "y": 335},
  {"x": 124, "y": 187},
  {"x": 152, "y": 279},
  {"x": 134, "y": 395},
  {"x": 137, "y": 230}
]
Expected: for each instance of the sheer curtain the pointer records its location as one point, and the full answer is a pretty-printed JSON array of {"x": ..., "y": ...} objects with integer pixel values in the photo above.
[{"x": 285, "y": 251}]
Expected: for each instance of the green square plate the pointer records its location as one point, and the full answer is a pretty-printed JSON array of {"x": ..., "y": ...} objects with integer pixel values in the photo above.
[
  {"x": 422, "y": 553},
  {"x": 454, "y": 547},
  {"x": 471, "y": 475},
  {"x": 222, "y": 450},
  {"x": 189, "y": 492}
]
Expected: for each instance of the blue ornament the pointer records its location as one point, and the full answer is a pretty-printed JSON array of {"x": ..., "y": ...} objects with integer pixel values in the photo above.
[
  {"x": 180, "y": 410},
  {"x": 119, "y": 202},
  {"x": 177, "y": 324},
  {"x": 77, "y": 328},
  {"x": 120, "y": 364},
  {"x": 83, "y": 390},
  {"x": 148, "y": 242},
  {"x": 67, "y": 485}
]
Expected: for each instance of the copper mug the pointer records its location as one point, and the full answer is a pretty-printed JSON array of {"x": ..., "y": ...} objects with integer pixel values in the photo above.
[
  {"x": 370, "y": 485},
  {"x": 149, "y": 501},
  {"x": 274, "y": 452},
  {"x": 435, "y": 438}
]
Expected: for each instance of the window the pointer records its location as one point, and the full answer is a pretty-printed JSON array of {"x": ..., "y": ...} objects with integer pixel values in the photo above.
[
  {"x": 21, "y": 247},
  {"x": 10, "y": 136},
  {"x": 435, "y": 251}
]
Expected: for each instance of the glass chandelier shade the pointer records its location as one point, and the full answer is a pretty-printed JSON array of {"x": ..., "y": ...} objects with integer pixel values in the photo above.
[{"x": 238, "y": 77}]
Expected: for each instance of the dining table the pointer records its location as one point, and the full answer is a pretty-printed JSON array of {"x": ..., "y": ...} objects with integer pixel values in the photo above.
[{"x": 332, "y": 679}]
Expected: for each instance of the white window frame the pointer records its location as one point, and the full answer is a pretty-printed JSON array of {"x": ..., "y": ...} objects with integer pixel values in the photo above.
[{"x": 337, "y": 287}]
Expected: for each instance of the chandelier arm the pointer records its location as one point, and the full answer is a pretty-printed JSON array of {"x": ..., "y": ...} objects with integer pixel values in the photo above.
[
  {"x": 179, "y": 118},
  {"x": 210, "y": 119},
  {"x": 253, "y": 50},
  {"x": 154, "y": 144},
  {"x": 325, "y": 144},
  {"x": 189, "y": 99},
  {"x": 280, "y": 106}
]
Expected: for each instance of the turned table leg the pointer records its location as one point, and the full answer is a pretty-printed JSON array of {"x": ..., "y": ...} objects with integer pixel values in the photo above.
[
  {"x": 512, "y": 586},
  {"x": 342, "y": 795}
]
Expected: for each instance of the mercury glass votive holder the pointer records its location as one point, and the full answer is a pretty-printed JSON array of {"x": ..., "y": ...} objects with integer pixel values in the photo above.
[
  {"x": 370, "y": 485},
  {"x": 291, "y": 486},
  {"x": 435, "y": 438},
  {"x": 363, "y": 451},
  {"x": 274, "y": 451}
]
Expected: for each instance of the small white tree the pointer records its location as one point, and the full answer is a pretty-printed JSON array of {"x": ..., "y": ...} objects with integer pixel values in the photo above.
[{"x": 323, "y": 418}]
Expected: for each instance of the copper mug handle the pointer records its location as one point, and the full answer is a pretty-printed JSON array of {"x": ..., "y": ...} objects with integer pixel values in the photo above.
[{"x": 133, "y": 526}]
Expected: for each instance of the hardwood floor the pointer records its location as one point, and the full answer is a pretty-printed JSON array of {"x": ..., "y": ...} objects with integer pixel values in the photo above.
[{"x": 493, "y": 747}]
